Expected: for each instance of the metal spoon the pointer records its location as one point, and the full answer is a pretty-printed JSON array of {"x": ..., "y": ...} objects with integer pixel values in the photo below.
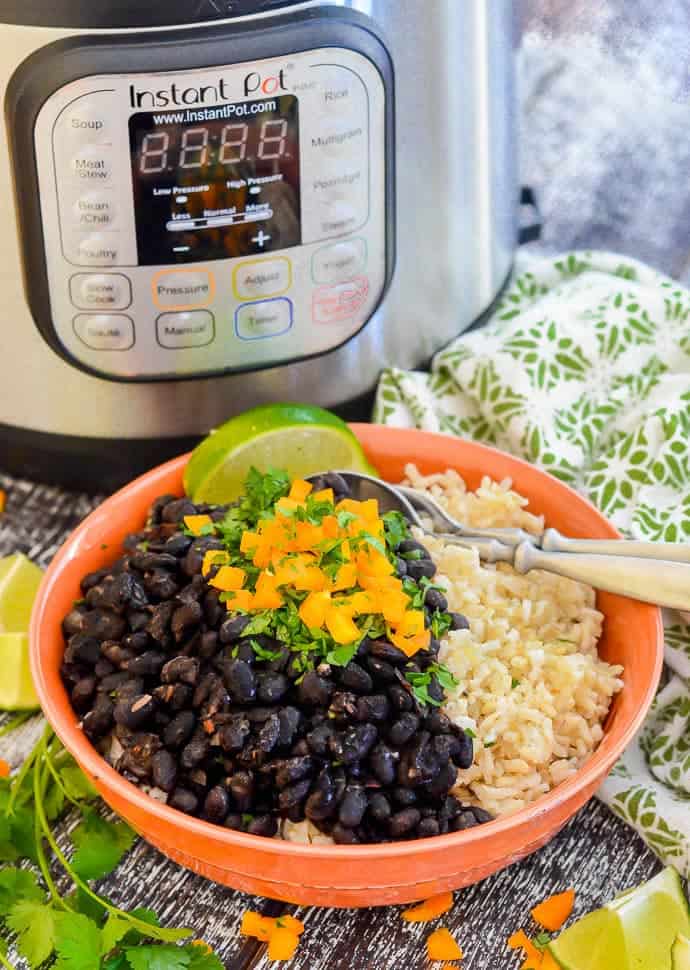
[
  {"x": 550, "y": 540},
  {"x": 661, "y": 582}
]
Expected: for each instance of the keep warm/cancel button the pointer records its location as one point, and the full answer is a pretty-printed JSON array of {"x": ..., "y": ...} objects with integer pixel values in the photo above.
[{"x": 179, "y": 330}]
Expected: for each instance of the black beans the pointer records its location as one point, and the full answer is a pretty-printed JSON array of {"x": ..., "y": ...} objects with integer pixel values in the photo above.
[
  {"x": 372, "y": 708},
  {"x": 354, "y": 744},
  {"x": 184, "y": 801},
  {"x": 315, "y": 690},
  {"x": 421, "y": 569},
  {"x": 216, "y": 805},
  {"x": 379, "y": 807},
  {"x": 179, "y": 730},
  {"x": 164, "y": 770},
  {"x": 321, "y": 803},
  {"x": 435, "y": 600},
  {"x": 412, "y": 550},
  {"x": 404, "y": 822},
  {"x": 83, "y": 649},
  {"x": 355, "y": 678},
  {"x": 383, "y": 650},
  {"x": 352, "y": 807},
  {"x": 239, "y": 679},
  {"x": 269, "y": 734},
  {"x": 174, "y": 696},
  {"x": 294, "y": 795},
  {"x": 103, "y": 625},
  {"x": 133, "y": 713},
  {"x": 403, "y": 729},
  {"x": 159, "y": 624},
  {"x": 242, "y": 790},
  {"x": 343, "y": 706},
  {"x": 193, "y": 753},
  {"x": 381, "y": 671},
  {"x": 265, "y": 825},
  {"x": 147, "y": 664},
  {"x": 233, "y": 735},
  {"x": 428, "y": 827},
  {"x": 318, "y": 739},
  {"x": 99, "y": 720},
  {"x": 232, "y": 628},
  {"x": 82, "y": 692},
  {"x": 272, "y": 687},
  {"x": 459, "y": 622},
  {"x": 176, "y": 510},
  {"x": 383, "y": 762},
  {"x": 294, "y": 769},
  {"x": 289, "y": 720},
  {"x": 184, "y": 670},
  {"x": 185, "y": 618}
]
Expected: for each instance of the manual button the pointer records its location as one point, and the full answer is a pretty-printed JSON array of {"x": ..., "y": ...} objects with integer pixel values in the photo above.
[
  {"x": 178, "y": 330},
  {"x": 107, "y": 291},
  {"x": 105, "y": 331}
]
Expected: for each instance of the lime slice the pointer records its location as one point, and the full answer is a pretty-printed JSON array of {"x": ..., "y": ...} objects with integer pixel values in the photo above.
[
  {"x": 16, "y": 686},
  {"x": 19, "y": 582},
  {"x": 299, "y": 438},
  {"x": 680, "y": 953},
  {"x": 634, "y": 932}
]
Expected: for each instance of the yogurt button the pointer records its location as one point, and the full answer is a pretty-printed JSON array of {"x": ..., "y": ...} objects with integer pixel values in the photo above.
[{"x": 95, "y": 210}]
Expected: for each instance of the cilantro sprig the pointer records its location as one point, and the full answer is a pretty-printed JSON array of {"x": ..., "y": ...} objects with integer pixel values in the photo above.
[
  {"x": 420, "y": 682},
  {"x": 82, "y": 930}
]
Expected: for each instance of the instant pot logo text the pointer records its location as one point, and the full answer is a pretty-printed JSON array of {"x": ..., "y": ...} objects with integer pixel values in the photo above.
[{"x": 175, "y": 94}]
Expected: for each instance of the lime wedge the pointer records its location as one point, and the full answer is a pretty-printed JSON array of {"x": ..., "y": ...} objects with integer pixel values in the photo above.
[
  {"x": 300, "y": 438},
  {"x": 680, "y": 953},
  {"x": 634, "y": 932},
  {"x": 16, "y": 686},
  {"x": 19, "y": 582}
]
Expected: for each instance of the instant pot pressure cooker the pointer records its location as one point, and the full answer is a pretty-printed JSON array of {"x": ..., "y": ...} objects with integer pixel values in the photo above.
[{"x": 217, "y": 203}]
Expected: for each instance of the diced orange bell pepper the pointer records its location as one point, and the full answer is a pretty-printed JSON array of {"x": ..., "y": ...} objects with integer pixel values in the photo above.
[
  {"x": 195, "y": 523},
  {"x": 374, "y": 563},
  {"x": 350, "y": 505},
  {"x": 365, "y": 601},
  {"x": 266, "y": 596},
  {"x": 258, "y": 926},
  {"x": 288, "y": 504},
  {"x": 341, "y": 626},
  {"x": 282, "y": 944},
  {"x": 4, "y": 768},
  {"x": 307, "y": 536},
  {"x": 249, "y": 541},
  {"x": 554, "y": 911},
  {"x": 240, "y": 599},
  {"x": 300, "y": 489},
  {"x": 310, "y": 578},
  {"x": 345, "y": 578},
  {"x": 290, "y": 923},
  {"x": 394, "y": 606},
  {"x": 429, "y": 909},
  {"x": 521, "y": 941},
  {"x": 3, "y": 500},
  {"x": 442, "y": 946},
  {"x": 214, "y": 557},
  {"x": 228, "y": 578},
  {"x": 378, "y": 584},
  {"x": 324, "y": 495},
  {"x": 548, "y": 962},
  {"x": 312, "y": 611},
  {"x": 331, "y": 529}
]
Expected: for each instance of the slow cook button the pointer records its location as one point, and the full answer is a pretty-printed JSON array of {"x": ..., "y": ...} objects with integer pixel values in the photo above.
[
  {"x": 105, "y": 291},
  {"x": 332, "y": 304},
  {"x": 267, "y": 318},
  {"x": 192, "y": 329},
  {"x": 105, "y": 331},
  {"x": 92, "y": 164},
  {"x": 262, "y": 278},
  {"x": 178, "y": 289},
  {"x": 340, "y": 261}
]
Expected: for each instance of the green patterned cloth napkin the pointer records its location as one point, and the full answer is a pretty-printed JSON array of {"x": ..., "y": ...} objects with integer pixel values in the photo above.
[{"x": 584, "y": 370}]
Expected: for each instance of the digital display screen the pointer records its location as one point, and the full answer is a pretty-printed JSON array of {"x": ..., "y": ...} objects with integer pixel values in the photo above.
[{"x": 216, "y": 182}]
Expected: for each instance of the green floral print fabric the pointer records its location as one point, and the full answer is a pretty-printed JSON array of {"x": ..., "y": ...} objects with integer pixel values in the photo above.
[{"x": 584, "y": 370}]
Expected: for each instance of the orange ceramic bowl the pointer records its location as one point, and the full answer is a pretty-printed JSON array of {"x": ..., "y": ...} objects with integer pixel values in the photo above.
[{"x": 350, "y": 875}]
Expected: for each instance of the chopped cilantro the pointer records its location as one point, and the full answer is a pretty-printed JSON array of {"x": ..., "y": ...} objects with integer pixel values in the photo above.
[
  {"x": 396, "y": 528},
  {"x": 514, "y": 683},
  {"x": 542, "y": 940},
  {"x": 470, "y": 733},
  {"x": 262, "y": 652},
  {"x": 342, "y": 654},
  {"x": 490, "y": 744},
  {"x": 440, "y": 625}
]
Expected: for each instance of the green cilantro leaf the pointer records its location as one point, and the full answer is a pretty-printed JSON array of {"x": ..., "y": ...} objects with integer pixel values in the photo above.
[
  {"x": 8, "y": 850},
  {"x": 16, "y": 884},
  {"x": 445, "y": 678},
  {"x": 53, "y": 802},
  {"x": 81, "y": 902},
  {"x": 201, "y": 958},
  {"x": 262, "y": 653},
  {"x": 115, "y": 930},
  {"x": 100, "y": 845},
  {"x": 118, "y": 961},
  {"x": 260, "y": 623},
  {"x": 77, "y": 942},
  {"x": 396, "y": 528},
  {"x": 514, "y": 683},
  {"x": 161, "y": 957},
  {"x": 76, "y": 784},
  {"x": 342, "y": 654},
  {"x": 34, "y": 924},
  {"x": 440, "y": 625},
  {"x": 542, "y": 940},
  {"x": 470, "y": 733}
]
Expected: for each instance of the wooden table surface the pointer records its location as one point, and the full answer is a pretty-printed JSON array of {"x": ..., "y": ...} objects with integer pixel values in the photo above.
[{"x": 604, "y": 113}]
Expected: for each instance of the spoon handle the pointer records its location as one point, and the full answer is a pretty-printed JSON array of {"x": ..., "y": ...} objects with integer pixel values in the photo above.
[
  {"x": 662, "y": 583},
  {"x": 553, "y": 541}
]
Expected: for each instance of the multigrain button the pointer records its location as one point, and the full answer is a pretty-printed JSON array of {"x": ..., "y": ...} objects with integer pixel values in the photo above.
[
  {"x": 195, "y": 328},
  {"x": 100, "y": 291},
  {"x": 92, "y": 164},
  {"x": 266, "y": 318},
  {"x": 262, "y": 278},
  {"x": 180, "y": 289},
  {"x": 94, "y": 210},
  {"x": 100, "y": 249},
  {"x": 105, "y": 331},
  {"x": 339, "y": 262}
]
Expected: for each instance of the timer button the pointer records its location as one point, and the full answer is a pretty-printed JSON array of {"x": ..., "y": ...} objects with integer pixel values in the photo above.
[
  {"x": 266, "y": 318},
  {"x": 183, "y": 289},
  {"x": 92, "y": 165},
  {"x": 262, "y": 278},
  {"x": 100, "y": 249},
  {"x": 95, "y": 210},
  {"x": 105, "y": 331},
  {"x": 178, "y": 330},
  {"x": 339, "y": 262},
  {"x": 106, "y": 291}
]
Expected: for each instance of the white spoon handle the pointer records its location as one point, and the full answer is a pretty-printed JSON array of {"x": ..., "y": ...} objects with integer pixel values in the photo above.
[
  {"x": 662, "y": 583},
  {"x": 553, "y": 541}
]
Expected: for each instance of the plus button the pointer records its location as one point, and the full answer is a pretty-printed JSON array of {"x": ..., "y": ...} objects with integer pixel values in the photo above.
[{"x": 261, "y": 238}]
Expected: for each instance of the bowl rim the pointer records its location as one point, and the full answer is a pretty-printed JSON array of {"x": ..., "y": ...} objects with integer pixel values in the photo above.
[{"x": 88, "y": 757}]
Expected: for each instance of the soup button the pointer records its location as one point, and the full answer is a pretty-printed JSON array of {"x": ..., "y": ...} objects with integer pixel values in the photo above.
[{"x": 105, "y": 331}]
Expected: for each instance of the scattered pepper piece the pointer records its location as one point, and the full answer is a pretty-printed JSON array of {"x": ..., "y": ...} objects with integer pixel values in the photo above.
[
  {"x": 203, "y": 945},
  {"x": 228, "y": 578},
  {"x": 195, "y": 523},
  {"x": 256, "y": 925},
  {"x": 4, "y": 768},
  {"x": 533, "y": 956},
  {"x": 429, "y": 909},
  {"x": 3, "y": 500},
  {"x": 290, "y": 923},
  {"x": 548, "y": 962},
  {"x": 442, "y": 946},
  {"x": 282, "y": 933},
  {"x": 282, "y": 944},
  {"x": 554, "y": 911}
]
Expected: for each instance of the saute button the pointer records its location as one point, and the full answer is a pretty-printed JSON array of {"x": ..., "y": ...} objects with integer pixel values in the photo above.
[
  {"x": 94, "y": 210},
  {"x": 262, "y": 277},
  {"x": 267, "y": 318},
  {"x": 105, "y": 331},
  {"x": 178, "y": 330},
  {"x": 182, "y": 289},
  {"x": 98, "y": 250},
  {"x": 92, "y": 165},
  {"x": 341, "y": 261},
  {"x": 106, "y": 291}
]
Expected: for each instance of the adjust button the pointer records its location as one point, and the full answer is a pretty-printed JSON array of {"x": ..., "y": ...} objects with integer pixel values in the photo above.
[
  {"x": 262, "y": 278},
  {"x": 105, "y": 331},
  {"x": 340, "y": 261},
  {"x": 182, "y": 289},
  {"x": 100, "y": 291},
  {"x": 267, "y": 318},
  {"x": 178, "y": 330}
]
